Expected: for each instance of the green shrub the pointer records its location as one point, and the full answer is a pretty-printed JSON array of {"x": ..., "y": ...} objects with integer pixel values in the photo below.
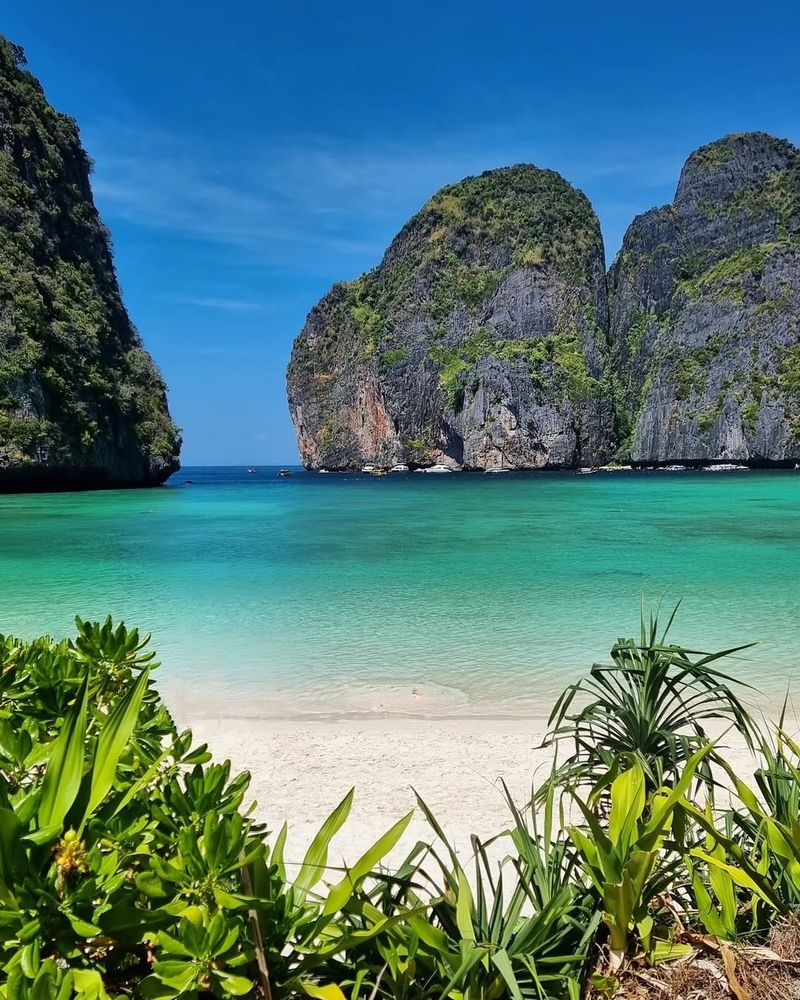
[
  {"x": 391, "y": 358},
  {"x": 637, "y": 330},
  {"x": 651, "y": 702},
  {"x": 127, "y": 862},
  {"x": 749, "y": 412},
  {"x": 131, "y": 867},
  {"x": 708, "y": 417}
]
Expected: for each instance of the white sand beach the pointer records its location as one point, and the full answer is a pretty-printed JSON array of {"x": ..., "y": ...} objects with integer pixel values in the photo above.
[{"x": 302, "y": 769}]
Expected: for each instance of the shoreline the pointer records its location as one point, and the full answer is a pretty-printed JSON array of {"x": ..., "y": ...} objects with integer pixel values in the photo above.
[
  {"x": 392, "y": 706},
  {"x": 705, "y": 465},
  {"x": 301, "y": 770}
]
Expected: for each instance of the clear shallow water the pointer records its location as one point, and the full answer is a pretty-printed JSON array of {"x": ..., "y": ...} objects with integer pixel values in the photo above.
[{"x": 413, "y": 593}]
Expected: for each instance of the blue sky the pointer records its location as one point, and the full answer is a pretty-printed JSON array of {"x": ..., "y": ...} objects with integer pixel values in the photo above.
[{"x": 247, "y": 155}]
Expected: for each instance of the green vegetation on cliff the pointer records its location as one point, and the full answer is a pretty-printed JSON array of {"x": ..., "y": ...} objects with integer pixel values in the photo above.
[
  {"x": 77, "y": 390},
  {"x": 494, "y": 295},
  {"x": 469, "y": 237},
  {"x": 458, "y": 249},
  {"x": 556, "y": 362},
  {"x": 705, "y": 304}
]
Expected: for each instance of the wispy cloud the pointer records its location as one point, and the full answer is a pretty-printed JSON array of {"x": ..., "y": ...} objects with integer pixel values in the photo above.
[
  {"x": 228, "y": 305},
  {"x": 270, "y": 206},
  {"x": 304, "y": 202}
]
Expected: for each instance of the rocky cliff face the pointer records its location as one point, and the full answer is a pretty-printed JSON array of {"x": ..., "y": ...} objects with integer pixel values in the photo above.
[
  {"x": 81, "y": 403},
  {"x": 479, "y": 342},
  {"x": 705, "y": 311}
]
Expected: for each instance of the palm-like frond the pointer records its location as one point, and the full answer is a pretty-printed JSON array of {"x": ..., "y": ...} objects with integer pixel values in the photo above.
[{"x": 652, "y": 701}]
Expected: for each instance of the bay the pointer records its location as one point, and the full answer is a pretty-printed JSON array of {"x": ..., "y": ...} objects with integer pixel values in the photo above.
[{"x": 421, "y": 594}]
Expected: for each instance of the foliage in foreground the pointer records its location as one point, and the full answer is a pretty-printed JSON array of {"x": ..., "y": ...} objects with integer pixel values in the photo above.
[{"x": 130, "y": 865}]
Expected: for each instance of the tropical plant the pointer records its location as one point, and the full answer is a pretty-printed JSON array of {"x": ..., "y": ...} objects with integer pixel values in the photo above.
[
  {"x": 729, "y": 901},
  {"x": 651, "y": 702},
  {"x": 519, "y": 927},
  {"x": 130, "y": 865},
  {"x": 627, "y": 862},
  {"x": 129, "y": 860}
]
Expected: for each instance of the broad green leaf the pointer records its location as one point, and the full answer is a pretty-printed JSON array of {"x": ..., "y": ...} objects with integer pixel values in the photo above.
[
  {"x": 503, "y": 965},
  {"x": 619, "y": 901},
  {"x": 129, "y": 923},
  {"x": 472, "y": 954},
  {"x": 10, "y": 836},
  {"x": 723, "y": 886},
  {"x": 627, "y": 806},
  {"x": 62, "y": 779},
  {"x": 670, "y": 951},
  {"x": 654, "y": 828},
  {"x": 83, "y": 927},
  {"x": 603, "y": 846},
  {"x": 171, "y": 945},
  {"x": 112, "y": 740},
  {"x": 175, "y": 973},
  {"x": 89, "y": 984},
  {"x": 152, "y": 988},
  {"x": 277, "y": 852},
  {"x": 464, "y": 908},
  {"x": 237, "y": 986},
  {"x": 341, "y": 893},
  {"x": 432, "y": 936},
  {"x": 587, "y": 848},
  {"x": 708, "y": 914},
  {"x": 739, "y": 876},
  {"x": 329, "y": 992},
  {"x": 316, "y": 860}
]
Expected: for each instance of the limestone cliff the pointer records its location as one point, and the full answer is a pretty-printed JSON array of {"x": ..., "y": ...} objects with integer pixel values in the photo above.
[
  {"x": 81, "y": 403},
  {"x": 705, "y": 312},
  {"x": 480, "y": 341}
]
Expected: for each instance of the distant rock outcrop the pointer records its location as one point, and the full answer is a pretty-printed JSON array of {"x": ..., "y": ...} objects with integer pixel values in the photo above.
[
  {"x": 705, "y": 312},
  {"x": 81, "y": 403},
  {"x": 479, "y": 342},
  {"x": 483, "y": 339}
]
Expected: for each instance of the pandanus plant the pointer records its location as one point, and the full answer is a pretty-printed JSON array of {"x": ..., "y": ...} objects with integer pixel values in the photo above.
[{"x": 652, "y": 702}]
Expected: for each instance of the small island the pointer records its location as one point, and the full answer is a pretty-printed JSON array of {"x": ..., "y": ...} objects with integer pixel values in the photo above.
[{"x": 489, "y": 336}]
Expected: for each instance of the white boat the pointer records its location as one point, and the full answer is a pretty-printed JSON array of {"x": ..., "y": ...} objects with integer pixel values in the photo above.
[
  {"x": 726, "y": 467},
  {"x": 586, "y": 472},
  {"x": 368, "y": 469},
  {"x": 399, "y": 468},
  {"x": 436, "y": 468},
  {"x": 494, "y": 472}
]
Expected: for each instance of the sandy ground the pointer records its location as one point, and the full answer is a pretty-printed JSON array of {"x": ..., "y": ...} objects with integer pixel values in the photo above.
[{"x": 301, "y": 770}]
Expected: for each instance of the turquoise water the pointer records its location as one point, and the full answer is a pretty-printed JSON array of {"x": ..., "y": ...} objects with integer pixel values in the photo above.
[{"x": 414, "y": 593}]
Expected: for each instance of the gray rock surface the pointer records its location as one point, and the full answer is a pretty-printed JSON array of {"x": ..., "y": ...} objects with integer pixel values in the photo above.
[
  {"x": 479, "y": 342},
  {"x": 705, "y": 312}
]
